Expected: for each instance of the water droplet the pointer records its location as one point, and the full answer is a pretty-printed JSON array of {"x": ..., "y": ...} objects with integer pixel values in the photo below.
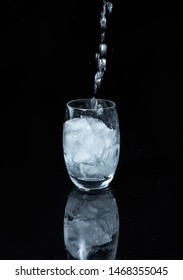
[
  {"x": 109, "y": 7},
  {"x": 98, "y": 76},
  {"x": 97, "y": 57},
  {"x": 104, "y": 7},
  {"x": 103, "y": 49},
  {"x": 98, "y": 79},
  {"x": 102, "y": 64},
  {"x": 103, "y": 22},
  {"x": 102, "y": 37}
]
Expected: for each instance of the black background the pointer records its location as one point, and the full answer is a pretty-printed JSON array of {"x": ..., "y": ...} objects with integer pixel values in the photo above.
[{"x": 47, "y": 57}]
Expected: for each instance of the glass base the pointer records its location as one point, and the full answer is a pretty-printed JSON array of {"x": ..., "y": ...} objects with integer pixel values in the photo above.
[{"x": 91, "y": 184}]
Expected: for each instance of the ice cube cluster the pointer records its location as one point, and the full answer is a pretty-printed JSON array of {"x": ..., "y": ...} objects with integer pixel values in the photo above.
[{"x": 90, "y": 148}]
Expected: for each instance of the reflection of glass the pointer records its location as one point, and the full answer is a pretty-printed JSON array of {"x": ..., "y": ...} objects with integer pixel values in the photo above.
[
  {"x": 91, "y": 142},
  {"x": 91, "y": 225}
]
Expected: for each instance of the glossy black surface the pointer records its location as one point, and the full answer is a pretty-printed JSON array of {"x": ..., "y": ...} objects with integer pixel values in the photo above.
[{"x": 47, "y": 58}]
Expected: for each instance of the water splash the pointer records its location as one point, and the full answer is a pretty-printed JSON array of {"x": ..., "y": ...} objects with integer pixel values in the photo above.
[{"x": 101, "y": 55}]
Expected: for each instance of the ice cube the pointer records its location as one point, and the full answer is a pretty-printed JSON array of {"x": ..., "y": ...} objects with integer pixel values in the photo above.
[
  {"x": 96, "y": 125},
  {"x": 75, "y": 131},
  {"x": 72, "y": 143},
  {"x": 87, "y": 148},
  {"x": 82, "y": 151},
  {"x": 90, "y": 171},
  {"x": 113, "y": 155},
  {"x": 76, "y": 124},
  {"x": 81, "y": 155},
  {"x": 105, "y": 170},
  {"x": 109, "y": 136}
]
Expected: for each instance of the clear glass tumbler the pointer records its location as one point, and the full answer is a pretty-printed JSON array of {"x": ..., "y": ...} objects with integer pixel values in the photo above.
[{"x": 91, "y": 142}]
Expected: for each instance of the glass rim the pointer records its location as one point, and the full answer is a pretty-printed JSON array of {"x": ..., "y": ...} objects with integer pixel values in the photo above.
[{"x": 113, "y": 104}]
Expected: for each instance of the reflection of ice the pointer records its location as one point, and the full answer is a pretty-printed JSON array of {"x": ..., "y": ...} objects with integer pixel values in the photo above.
[{"x": 91, "y": 225}]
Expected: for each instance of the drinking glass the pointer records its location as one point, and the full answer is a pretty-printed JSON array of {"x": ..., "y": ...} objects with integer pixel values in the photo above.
[{"x": 91, "y": 142}]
